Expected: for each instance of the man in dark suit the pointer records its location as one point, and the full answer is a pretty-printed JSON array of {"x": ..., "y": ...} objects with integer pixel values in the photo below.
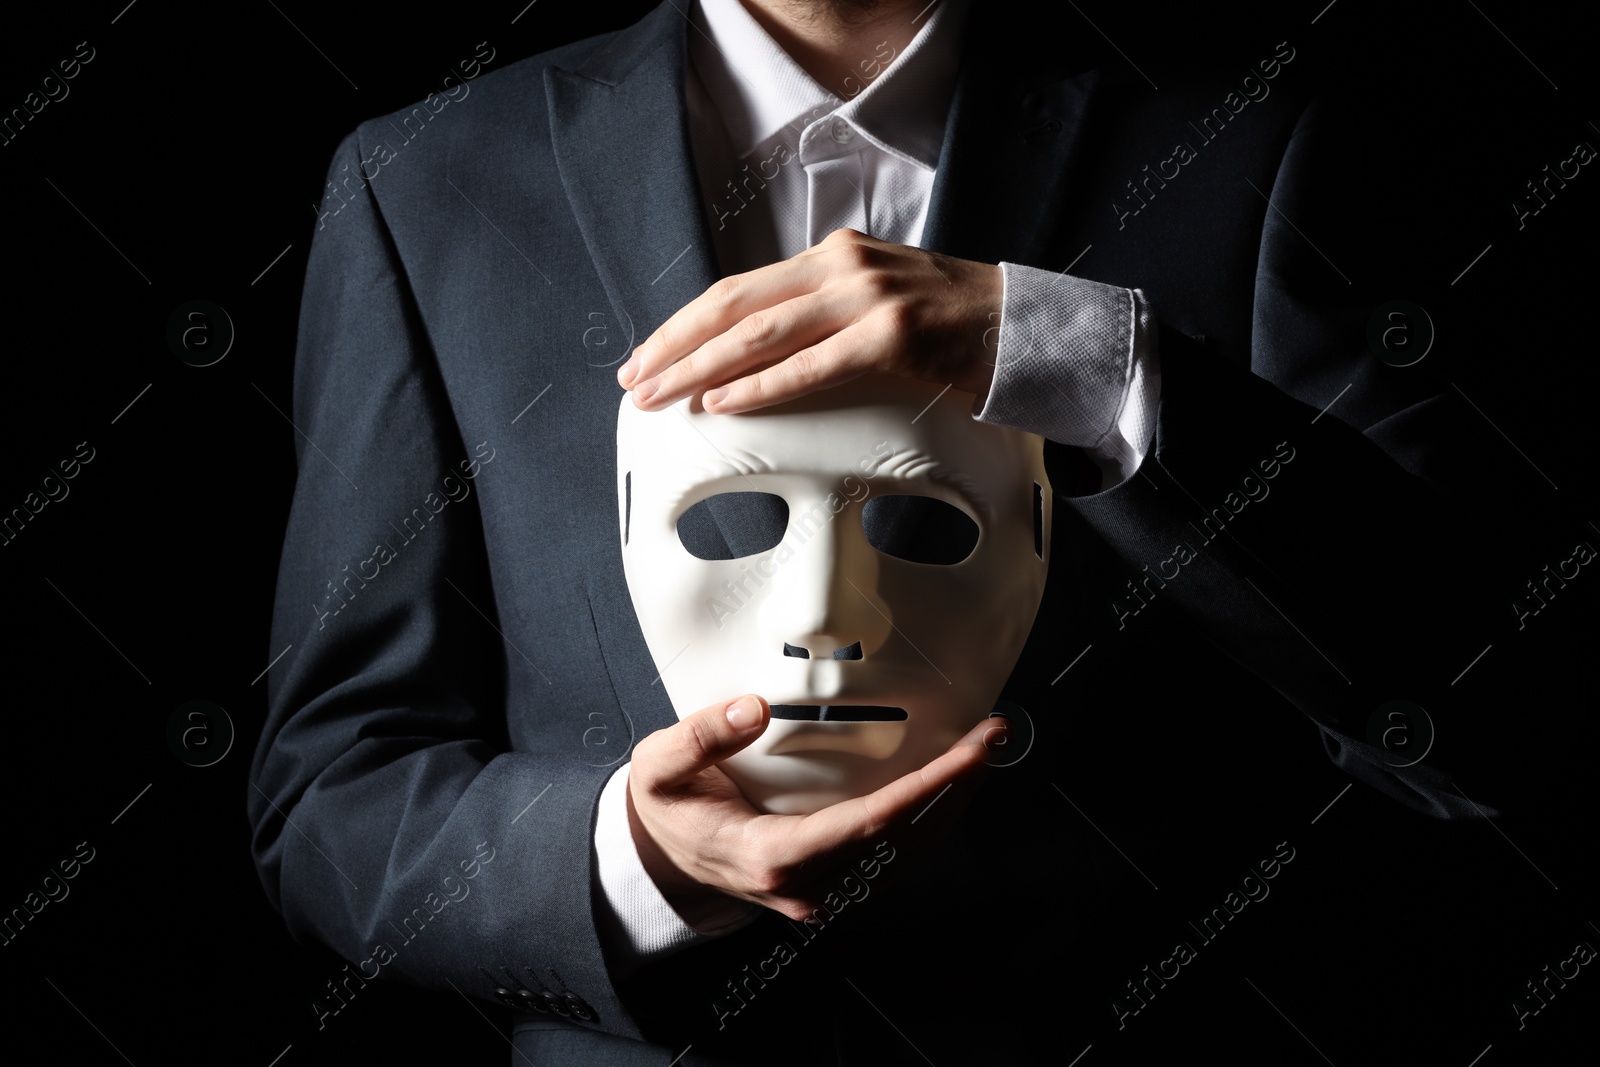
[{"x": 430, "y": 783}]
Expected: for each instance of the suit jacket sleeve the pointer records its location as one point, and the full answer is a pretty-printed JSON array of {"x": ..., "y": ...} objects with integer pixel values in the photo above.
[
  {"x": 1350, "y": 564},
  {"x": 391, "y": 820}
]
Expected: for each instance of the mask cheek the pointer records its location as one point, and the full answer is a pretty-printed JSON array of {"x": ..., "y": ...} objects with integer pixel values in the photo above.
[
  {"x": 708, "y": 605},
  {"x": 670, "y": 589},
  {"x": 731, "y": 593}
]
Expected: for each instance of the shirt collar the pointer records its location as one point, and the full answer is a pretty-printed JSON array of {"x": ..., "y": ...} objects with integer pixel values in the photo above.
[{"x": 758, "y": 89}]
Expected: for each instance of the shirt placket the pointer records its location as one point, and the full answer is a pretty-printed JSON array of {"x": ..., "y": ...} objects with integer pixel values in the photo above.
[{"x": 830, "y": 154}]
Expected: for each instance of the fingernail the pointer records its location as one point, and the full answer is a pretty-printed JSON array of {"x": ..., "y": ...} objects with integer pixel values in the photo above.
[
  {"x": 629, "y": 369},
  {"x": 743, "y": 714},
  {"x": 715, "y": 396},
  {"x": 647, "y": 388}
]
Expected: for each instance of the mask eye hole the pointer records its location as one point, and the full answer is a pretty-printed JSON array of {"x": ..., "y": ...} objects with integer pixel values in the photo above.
[
  {"x": 919, "y": 529},
  {"x": 733, "y": 525}
]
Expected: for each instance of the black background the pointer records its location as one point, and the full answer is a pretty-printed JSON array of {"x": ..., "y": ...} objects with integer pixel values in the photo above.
[{"x": 184, "y": 165}]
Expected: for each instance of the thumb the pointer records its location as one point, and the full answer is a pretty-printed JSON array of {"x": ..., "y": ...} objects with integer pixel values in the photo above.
[{"x": 712, "y": 734}]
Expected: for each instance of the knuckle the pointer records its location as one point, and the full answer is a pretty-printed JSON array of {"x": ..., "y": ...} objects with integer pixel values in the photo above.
[
  {"x": 645, "y": 754},
  {"x": 899, "y": 317},
  {"x": 768, "y": 881},
  {"x": 697, "y": 740},
  {"x": 725, "y": 290},
  {"x": 756, "y": 390},
  {"x": 646, "y": 778},
  {"x": 804, "y": 365},
  {"x": 877, "y": 283},
  {"x": 878, "y": 817},
  {"x": 857, "y": 256},
  {"x": 669, "y": 336},
  {"x": 755, "y": 330},
  {"x": 769, "y": 874},
  {"x": 684, "y": 368},
  {"x": 797, "y": 910},
  {"x": 806, "y": 369}
]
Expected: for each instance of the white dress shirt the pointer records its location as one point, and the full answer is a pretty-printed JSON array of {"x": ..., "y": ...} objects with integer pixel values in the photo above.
[{"x": 783, "y": 162}]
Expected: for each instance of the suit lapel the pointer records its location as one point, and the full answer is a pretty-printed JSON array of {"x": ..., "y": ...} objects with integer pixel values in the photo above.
[
  {"x": 619, "y": 124},
  {"x": 619, "y": 129},
  {"x": 1006, "y": 159}
]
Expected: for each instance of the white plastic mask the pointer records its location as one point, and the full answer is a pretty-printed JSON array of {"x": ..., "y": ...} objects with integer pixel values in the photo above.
[{"x": 808, "y": 613}]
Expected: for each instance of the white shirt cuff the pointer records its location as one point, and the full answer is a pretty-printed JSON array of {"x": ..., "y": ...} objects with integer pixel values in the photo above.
[
  {"x": 637, "y": 923},
  {"x": 1077, "y": 364}
]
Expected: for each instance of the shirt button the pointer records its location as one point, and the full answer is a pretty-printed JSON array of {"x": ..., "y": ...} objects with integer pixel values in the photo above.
[{"x": 842, "y": 132}]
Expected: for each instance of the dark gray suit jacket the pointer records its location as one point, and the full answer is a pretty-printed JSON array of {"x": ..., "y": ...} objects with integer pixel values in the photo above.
[{"x": 466, "y": 669}]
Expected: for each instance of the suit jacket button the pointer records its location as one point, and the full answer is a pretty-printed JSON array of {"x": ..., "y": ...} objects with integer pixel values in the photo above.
[
  {"x": 506, "y": 997},
  {"x": 528, "y": 1000},
  {"x": 554, "y": 1004},
  {"x": 580, "y": 1007}
]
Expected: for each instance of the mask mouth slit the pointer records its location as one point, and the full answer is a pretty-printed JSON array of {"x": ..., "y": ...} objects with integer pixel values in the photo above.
[{"x": 838, "y": 713}]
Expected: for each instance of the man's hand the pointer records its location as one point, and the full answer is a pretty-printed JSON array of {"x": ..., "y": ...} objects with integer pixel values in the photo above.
[
  {"x": 702, "y": 841},
  {"x": 850, "y": 306}
]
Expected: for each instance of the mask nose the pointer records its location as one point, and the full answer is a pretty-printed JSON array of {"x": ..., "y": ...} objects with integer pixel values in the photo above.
[{"x": 824, "y": 603}]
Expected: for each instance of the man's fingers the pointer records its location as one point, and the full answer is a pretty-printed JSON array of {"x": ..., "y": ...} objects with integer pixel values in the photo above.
[
  {"x": 770, "y": 335},
  {"x": 907, "y": 797},
  {"x": 713, "y": 313},
  {"x": 676, "y": 754},
  {"x": 837, "y": 359}
]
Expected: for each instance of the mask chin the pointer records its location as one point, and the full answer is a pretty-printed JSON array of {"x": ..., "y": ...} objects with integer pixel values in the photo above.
[{"x": 796, "y": 768}]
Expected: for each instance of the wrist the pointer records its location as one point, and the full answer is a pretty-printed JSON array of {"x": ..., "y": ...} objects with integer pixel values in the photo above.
[
  {"x": 705, "y": 908},
  {"x": 980, "y": 333}
]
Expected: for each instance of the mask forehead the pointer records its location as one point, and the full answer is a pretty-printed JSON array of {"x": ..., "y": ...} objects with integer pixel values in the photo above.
[{"x": 876, "y": 427}]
